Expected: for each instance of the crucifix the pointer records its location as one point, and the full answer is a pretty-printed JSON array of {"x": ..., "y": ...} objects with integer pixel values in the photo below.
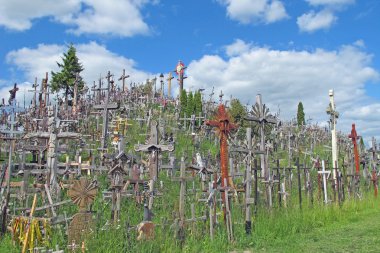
[
  {"x": 333, "y": 117},
  {"x": 180, "y": 70}
]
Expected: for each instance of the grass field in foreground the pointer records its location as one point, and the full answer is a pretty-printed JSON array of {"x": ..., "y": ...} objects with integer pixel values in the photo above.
[
  {"x": 352, "y": 227},
  {"x": 355, "y": 229}
]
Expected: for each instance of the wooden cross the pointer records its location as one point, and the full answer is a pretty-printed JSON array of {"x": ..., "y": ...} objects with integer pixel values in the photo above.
[
  {"x": 354, "y": 136},
  {"x": 260, "y": 114},
  {"x": 182, "y": 179},
  {"x": 43, "y": 92},
  {"x": 184, "y": 119},
  {"x": 374, "y": 175},
  {"x": 123, "y": 77},
  {"x": 333, "y": 117},
  {"x": 53, "y": 135},
  {"x": 106, "y": 107},
  {"x": 224, "y": 125},
  {"x": 154, "y": 148},
  {"x": 13, "y": 93}
]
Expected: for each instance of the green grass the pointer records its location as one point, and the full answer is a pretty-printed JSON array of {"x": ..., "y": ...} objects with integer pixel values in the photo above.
[{"x": 350, "y": 228}]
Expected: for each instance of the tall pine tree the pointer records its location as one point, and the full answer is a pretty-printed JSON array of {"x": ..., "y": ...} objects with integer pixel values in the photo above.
[
  {"x": 198, "y": 103},
  {"x": 190, "y": 104},
  {"x": 237, "y": 111},
  {"x": 300, "y": 115},
  {"x": 64, "y": 80},
  {"x": 183, "y": 102}
]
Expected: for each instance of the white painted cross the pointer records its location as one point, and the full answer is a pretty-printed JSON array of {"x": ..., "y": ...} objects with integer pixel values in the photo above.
[
  {"x": 324, "y": 173},
  {"x": 333, "y": 116}
]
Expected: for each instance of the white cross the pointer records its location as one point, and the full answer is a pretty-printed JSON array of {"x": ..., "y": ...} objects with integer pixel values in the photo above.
[{"x": 324, "y": 173}]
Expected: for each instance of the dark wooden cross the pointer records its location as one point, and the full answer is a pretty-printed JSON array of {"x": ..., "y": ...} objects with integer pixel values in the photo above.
[
  {"x": 153, "y": 147},
  {"x": 106, "y": 107},
  {"x": 182, "y": 179},
  {"x": 13, "y": 93},
  {"x": 122, "y": 78},
  {"x": 260, "y": 114}
]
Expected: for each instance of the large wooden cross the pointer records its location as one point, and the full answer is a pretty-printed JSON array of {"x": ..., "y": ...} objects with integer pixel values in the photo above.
[
  {"x": 153, "y": 147},
  {"x": 261, "y": 115},
  {"x": 333, "y": 116},
  {"x": 354, "y": 136},
  {"x": 224, "y": 125},
  {"x": 106, "y": 107}
]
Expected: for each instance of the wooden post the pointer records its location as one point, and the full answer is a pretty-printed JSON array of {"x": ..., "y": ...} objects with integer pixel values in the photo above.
[
  {"x": 299, "y": 183},
  {"x": 248, "y": 181}
]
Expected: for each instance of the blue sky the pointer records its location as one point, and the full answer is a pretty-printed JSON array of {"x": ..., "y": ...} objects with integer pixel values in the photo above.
[{"x": 289, "y": 51}]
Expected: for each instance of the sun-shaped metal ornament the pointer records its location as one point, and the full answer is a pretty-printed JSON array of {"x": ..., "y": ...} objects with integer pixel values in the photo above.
[{"x": 83, "y": 192}]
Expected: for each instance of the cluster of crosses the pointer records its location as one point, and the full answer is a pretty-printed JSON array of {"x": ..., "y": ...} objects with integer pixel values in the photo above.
[{"x": 56, "y": 152}]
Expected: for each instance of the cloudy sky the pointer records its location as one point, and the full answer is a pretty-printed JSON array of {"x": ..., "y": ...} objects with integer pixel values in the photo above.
[{"x": 289, "y": 51}]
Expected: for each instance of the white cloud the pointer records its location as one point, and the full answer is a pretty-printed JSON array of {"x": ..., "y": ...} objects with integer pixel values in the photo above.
[
  {"x": 96, "y": 59},
  {"x": 325, "y": 18},
  {"x": 18, "y": 14},
  {"x": 310, "y": 22},
  {"x": 330, "y": 2},
  {"x": 112, "y": 17},
  {"x": 255, "y": 11},
  {"x": 286, "y": 77},
  {"x": 238, "y": 47}
]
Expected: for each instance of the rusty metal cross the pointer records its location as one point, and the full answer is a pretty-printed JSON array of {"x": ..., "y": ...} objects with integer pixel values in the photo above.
[
  {"x": 354, "y": 136},
  {"x": 224, "y": 125}
]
